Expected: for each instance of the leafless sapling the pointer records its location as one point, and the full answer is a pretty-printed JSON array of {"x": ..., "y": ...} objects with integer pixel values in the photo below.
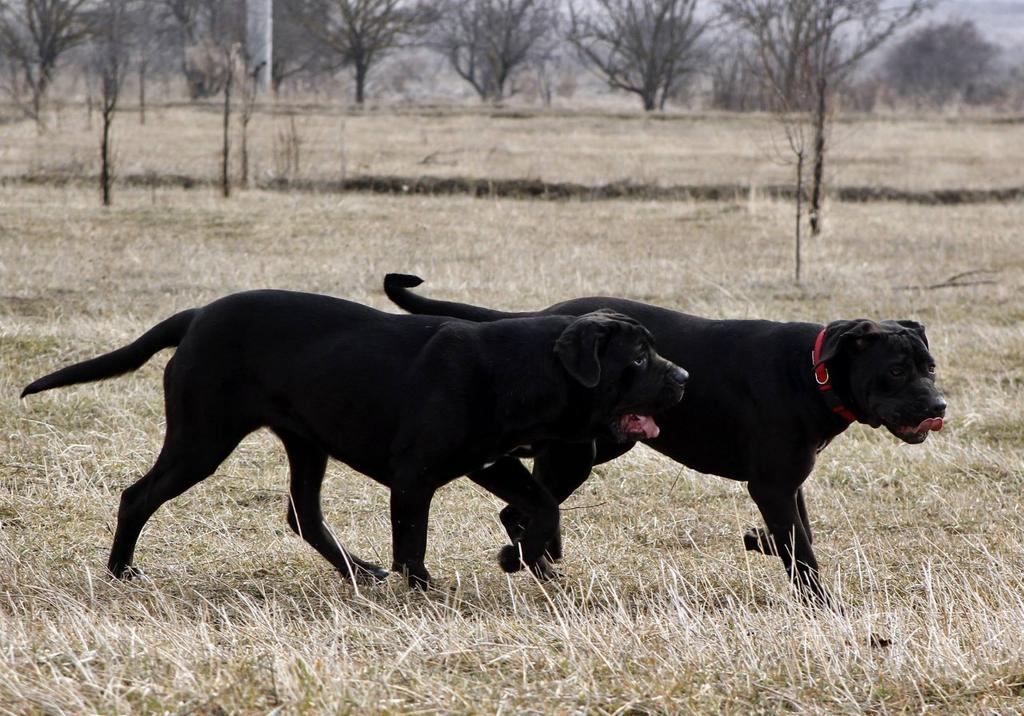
[
  {"x": 807, "y": 48},
  {"x": 230, "y": 60},
  {"x": 111, "y": 36},
  {"x": 249, "y": 90}
]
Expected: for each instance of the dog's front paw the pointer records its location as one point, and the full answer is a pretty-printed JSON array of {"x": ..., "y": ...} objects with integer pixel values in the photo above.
[
  {"x": 370, "y": 573},
  {"x": 544, "y": 570},
  {"x": 820, "y": 599},
  {"x": 509, "y": 558},
  {"x": 757, "y": 539},
  {"x": 416, "y": 574},
  {"x": 420, "y": 581},
  {"x": 126, "y": 572}
]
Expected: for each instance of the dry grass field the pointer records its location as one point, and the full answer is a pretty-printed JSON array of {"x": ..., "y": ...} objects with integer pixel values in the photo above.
[
  {"x": 920, "y": 154},
  {"x": 660, "y": 609}
]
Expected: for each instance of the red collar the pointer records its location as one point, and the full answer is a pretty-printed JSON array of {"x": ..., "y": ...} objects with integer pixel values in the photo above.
[{"x": 821, "y": 377}]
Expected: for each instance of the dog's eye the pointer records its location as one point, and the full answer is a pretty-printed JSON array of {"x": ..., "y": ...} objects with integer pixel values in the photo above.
[
  {"x": 640, "y": 361},
  {"x": 897, "y": 371}
]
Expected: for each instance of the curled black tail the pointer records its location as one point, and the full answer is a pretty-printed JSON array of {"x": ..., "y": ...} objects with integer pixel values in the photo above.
[
  {"x": 397, "y": 285},
  {"x": 163, "y": 335}
]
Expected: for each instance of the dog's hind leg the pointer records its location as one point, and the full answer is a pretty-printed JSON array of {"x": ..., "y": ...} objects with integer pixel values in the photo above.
[
  {"x": 308, "y": 464},
  {"x": 201, "y": 433},
  {"x": 182, "y": 464},
  {"x": 410, "y": 512}
]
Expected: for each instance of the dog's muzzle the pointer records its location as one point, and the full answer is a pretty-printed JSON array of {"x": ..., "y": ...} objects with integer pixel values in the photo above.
[{"x": 933, "y": 423}]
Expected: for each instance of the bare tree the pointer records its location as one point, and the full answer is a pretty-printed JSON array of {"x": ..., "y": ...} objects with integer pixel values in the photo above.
[
  {"x": 204, "y": 31},
  {"x": 360, "y": 32},
  {"x": 487, "y": 41},
  {"x": 180, "y": 19},
  {"x": 297, "y": 53},
  {"x": 735, "y": 86},
  {"x": 942, "y": 61},
  {"x": 146, "y": 38},
  {"x": 112, "y": 29},
  {"x": 806, "y": 48},
  {"x": 550, "y": 70},
  {"x": 641, "y": 46},
  {"x": 34, "y": 34}
]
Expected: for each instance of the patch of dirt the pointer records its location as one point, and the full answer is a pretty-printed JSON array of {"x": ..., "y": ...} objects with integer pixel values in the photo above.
[{"x": 538, "y": 189}]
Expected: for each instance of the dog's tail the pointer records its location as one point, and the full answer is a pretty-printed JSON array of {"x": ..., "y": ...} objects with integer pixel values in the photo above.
[
  {"x": 397, "y": 285},
  {"x": 166, "y": 334}
]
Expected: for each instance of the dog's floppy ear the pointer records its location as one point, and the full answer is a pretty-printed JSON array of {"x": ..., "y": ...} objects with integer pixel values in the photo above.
[
  {"x": 915, "y": 327},
  {"x": 580, "y": 344},
  {"x": 844, "y": 335}
]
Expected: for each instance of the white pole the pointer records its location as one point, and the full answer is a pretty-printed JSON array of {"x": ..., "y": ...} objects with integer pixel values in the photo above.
[{"x": 260, "y": 40}]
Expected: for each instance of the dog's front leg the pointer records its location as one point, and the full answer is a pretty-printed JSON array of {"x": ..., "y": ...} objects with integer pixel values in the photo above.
[
  {"x": 757, "y": 539},
  {"x": 561, "y": 468},
  {"x": 512, "y": 482},
  {"x": 410, "y": 509},
  {"x": 801, "y": 507},
  {"x": 789, "y": 540}
]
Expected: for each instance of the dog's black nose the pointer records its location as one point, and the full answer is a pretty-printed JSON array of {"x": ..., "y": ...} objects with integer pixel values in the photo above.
[
  {"x": 938, "y": 407},
  {"x": 679, "y": 375}
]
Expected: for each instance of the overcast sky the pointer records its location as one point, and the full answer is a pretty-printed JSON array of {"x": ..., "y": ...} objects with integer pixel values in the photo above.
[{"x": 1001, "y": 21}]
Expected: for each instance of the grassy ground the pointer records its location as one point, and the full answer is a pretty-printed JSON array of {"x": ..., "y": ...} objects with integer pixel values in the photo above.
[
  {"x": 590, "y": 148},
  {"x": 660, "y": 609}
]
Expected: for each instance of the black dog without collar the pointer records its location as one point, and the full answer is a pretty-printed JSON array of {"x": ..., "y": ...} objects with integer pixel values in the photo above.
[{"x": 411, "y": 401}]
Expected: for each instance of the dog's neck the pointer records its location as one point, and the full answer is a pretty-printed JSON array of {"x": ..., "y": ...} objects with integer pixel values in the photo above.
[{"x": 832, "y": 396}]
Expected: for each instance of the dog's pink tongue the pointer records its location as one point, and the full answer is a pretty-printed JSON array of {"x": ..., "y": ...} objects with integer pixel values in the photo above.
[
  {"x": 642, "y": 424},
  {"x": 933, "y": 424}
]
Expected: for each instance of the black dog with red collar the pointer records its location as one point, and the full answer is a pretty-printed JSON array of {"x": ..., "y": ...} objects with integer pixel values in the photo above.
[{"x": 756, "y": 409}]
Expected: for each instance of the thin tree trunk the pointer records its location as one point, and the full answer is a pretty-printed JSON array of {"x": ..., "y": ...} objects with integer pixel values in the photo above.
[
  {"x": 105, "y": 172},
  {"x": 360, "y": 83},
  {"x": 295, "y": 145},
  {"x": 799, "y": 206},
  {"x": 37, "y": 110},
  {"x": 665, "y": 87},
  {"x": 245, "y": 152},
  {"x": 225, "y": 174},
  {"x": 343, "y": 152},
  {"x": 142, "y": 91},
  {"x": 499, "y": 86},
  {"x": 39, "y": 89},
  {"x": 818, "y": 176}
]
